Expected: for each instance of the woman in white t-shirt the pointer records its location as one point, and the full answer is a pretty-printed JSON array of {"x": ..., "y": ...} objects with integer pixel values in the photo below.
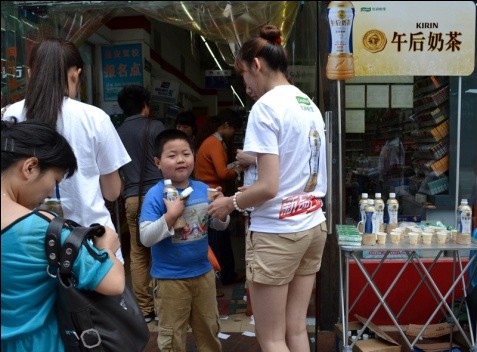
[
  {"x": 284, "y": 246},
  {"x": 54, "y": 70}
]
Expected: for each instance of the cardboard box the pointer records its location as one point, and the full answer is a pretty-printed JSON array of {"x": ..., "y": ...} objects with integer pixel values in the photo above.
[
  {"x": 431, "y": 331},
  {"x": 435, "y": 337},
  {"x": 382, "y": 343}
]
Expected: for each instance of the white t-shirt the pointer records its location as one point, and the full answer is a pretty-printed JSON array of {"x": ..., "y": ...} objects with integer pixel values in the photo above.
[
  {"x": 98, "y": 150},
  {"x": 286, "y": 122}
]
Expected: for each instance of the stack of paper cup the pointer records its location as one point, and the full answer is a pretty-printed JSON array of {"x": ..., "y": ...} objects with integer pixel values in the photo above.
[
  {"x": 442, "y": 237},
  {"x": 413, "y": 238},
  {"x": 381, "y": 237},
  {"x": 452, "y": 236},
  {"x": 427, "y": 238},
  {"x": 395, "y": 237}
]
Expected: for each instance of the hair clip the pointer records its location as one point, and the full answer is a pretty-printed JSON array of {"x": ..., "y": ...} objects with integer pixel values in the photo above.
[
  {"x": 278, "y": 40},
  {"x": 8, "y": 145}
]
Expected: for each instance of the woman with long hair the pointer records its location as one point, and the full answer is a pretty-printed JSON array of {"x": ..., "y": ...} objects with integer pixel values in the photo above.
[
  {"x": 55, "y": 68},
  {"x": 284, "y": 246}
]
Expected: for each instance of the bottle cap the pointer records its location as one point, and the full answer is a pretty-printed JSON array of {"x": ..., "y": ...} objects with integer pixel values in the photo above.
[
  {"x": 392, "y": 195},
  {"x": 186, "y": 193},
  {"x": 167, "y": 182},
  {"x": 464, "y": 201},
  {"x": 364, "y": 195},
  {"x": 378, "y": 195}
]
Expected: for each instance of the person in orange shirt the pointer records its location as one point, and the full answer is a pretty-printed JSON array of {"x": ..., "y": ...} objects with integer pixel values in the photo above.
[{"x": 213, "y": 145}]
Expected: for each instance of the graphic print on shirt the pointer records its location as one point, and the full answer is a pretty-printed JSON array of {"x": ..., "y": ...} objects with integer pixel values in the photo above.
[
  {"x": 314, "y": 161},
  {"x": 296, "y": 205},
  {"x": 196, "y": 218},
  {"x": 305, "y": 104}
]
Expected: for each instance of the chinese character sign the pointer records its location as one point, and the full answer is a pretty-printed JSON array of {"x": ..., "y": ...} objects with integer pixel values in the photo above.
[
  {"x": 121, "y": 65},
  {"x": 414, "y": 38}
]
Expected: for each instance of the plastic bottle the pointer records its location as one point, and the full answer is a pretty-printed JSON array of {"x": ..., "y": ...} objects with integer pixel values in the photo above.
[
  {"x": 170, "y": 193},
  {"x": 464, "y": 217},
  {"x": 340, "y": 64},
  {"x": 370, "y": 223},
  {"x": 392, "y": 206},
  {"x": 361, "y": 213},
  {"x": 379, "y": 206},
  {"x": 53, "y": 205}
]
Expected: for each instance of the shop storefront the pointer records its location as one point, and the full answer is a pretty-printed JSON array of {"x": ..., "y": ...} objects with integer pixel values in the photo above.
[{"x": 402, "y": 122}]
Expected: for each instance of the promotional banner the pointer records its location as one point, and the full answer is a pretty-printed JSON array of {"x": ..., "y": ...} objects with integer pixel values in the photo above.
[
  {"x": 121, "y": 65},
  {"x": 414, "y": 38},
  {"x": 165, "y": 91}
]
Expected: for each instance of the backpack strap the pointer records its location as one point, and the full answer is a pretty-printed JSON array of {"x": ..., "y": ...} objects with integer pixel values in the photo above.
[
  {"x": 70, "y": 249},
  {"x": 53, "y": 241},
  {"x": 63, "y": 256}
]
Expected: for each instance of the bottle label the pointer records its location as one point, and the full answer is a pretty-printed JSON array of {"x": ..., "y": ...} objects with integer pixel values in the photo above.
[
  {"x": 170, "y": 194},
  {"x": 379, "y": 215},
  {"x": 370, "y": 224},
  {"x": 340, "y": 20},
  {"x": 465, "y": 221},
  {"x": 393, "y": 213}
]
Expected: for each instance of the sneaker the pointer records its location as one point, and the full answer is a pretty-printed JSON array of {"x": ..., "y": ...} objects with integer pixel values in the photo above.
[{"x": 149, "y": 317}]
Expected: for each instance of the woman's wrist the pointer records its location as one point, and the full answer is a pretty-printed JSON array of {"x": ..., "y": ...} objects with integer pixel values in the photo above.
[{"x": 234, "y": 202}]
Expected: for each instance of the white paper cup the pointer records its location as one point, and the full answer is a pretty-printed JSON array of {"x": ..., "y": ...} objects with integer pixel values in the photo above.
[
  {"x": 413, "y": 238},
  {"x": 211, "y": 192},
  {"x": 395, "y": 237},
  {"x": 441, "y": 237},
  {"x": 452, "y": 235},
  {"x": 381, "y": 237},
  {"x": 427, "y": 238}
]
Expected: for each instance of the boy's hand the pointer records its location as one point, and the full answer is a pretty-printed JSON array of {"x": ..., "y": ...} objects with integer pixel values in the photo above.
[{"x": 175, "y": 208}]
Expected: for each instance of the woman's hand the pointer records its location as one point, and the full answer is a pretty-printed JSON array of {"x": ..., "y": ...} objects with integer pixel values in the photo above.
[
  {"x": 221, "y": 207},
  {"x": 245, "y": 159},
  {"x": 110, "y": 240}
]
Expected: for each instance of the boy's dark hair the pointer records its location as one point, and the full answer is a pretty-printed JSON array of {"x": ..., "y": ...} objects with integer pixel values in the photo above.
[
  {"x": 170, "y": 135},
  {"x": 132, "y": 99}
]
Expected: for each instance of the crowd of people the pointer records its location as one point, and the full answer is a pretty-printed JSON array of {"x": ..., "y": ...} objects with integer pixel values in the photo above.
[{"x": 52, "y": 144}]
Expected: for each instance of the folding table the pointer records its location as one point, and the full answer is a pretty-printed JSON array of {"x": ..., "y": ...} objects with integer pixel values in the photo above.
[{"x": 460, "y": 268}]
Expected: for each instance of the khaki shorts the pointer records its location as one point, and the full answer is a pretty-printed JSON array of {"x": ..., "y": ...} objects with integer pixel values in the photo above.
[{"x": 274, "y": 259}]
